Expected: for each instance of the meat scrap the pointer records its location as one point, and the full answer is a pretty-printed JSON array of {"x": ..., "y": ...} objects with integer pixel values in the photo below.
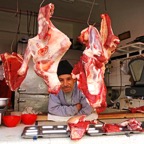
[
  {"x": 46, "y": 49},
  {"x": 11, "y": 64},
  {"x": 90, "y": 70},
  {"x": 108, "y": 128},
  {"x": 132, "y": 124},
  {"x": 137, "y": 109},
  {"x": 78, "y": 125}
]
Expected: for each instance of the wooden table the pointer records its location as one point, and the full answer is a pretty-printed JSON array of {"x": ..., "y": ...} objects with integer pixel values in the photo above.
[{"x": 106, "y": 116}]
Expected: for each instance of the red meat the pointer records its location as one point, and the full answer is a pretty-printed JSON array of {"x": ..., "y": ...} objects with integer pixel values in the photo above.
[
  {"x": 90, "y": 70},
  {"x": 108, "y": 128},
  {"x": 137, "y": 109},
  {"x": 11, "y": 64},
  {"x": 78, "y": 126},
  {"x": 132, "y": 124},
  {"x": 46, "y": 49}
]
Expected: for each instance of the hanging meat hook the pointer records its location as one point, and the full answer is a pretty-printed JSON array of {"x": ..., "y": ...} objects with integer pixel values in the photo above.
[
  {"x": 17, "y": 10},
  {"x": 42, "y": 3},
  {"x": 105, "y": 5},
  {"x": 29, "y": 15},
  {"x": 36, "y": 27},
  {"x": 90, "y": 13},
  {"x": 18, "y": 30},
  {"x": 34, "y": 23}
]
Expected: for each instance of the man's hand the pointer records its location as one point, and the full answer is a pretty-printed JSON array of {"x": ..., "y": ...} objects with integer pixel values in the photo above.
[{"x": 78, "y": 106}]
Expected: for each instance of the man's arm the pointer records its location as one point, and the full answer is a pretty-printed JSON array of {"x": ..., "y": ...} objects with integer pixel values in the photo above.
[
  {"x": 78, "y": 106},
  {"x": 56, "y": 108},
  {"x": 85, "y": 107}
]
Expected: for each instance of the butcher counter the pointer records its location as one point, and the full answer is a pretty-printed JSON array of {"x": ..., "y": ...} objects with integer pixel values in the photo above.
[{"x": 13, "y": 135}]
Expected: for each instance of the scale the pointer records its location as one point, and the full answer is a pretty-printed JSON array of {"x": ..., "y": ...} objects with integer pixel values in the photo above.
[{"x": 136, "y": 67}]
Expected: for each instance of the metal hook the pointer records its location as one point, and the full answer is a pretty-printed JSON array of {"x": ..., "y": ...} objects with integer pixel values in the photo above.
[
  {"x": 105, "y": 5},
  {"x": 17, "y": 32},
  {"x": 42, "y": 3},
  {"x": 90, "y": 12},
  {"x": 17, "y": 6},
  {"x": 18, "y": 15}
]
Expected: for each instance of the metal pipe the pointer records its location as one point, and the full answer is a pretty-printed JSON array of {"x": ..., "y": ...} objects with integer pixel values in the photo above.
[
  {"x": 35, "y": 14},
  {"x": 14, "y": 32}
]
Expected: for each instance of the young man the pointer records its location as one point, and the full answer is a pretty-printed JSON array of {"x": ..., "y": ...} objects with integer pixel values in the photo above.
[{"x": 70, "y": 100}]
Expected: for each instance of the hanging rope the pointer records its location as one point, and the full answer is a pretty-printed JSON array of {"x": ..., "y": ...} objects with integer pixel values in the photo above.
[{"x": 90, "y": 12}]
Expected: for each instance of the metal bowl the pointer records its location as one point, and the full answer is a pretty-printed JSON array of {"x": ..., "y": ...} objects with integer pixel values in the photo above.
[{"x": 3, "y": 102}]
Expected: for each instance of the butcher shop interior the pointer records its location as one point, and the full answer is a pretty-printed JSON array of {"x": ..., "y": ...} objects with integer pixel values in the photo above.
[{"x": 71, "y": 71}]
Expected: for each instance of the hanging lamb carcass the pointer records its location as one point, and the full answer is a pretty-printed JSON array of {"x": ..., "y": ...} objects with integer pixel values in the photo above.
[
  {"x": 90, "y": 70},
  {"x": 46, "y": 49}
]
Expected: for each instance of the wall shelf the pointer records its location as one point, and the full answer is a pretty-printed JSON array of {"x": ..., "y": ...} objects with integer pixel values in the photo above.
[{"x": 129, "y": 50}]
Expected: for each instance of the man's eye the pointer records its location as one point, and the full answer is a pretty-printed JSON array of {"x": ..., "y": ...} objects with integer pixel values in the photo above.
[{"x": 68, "y": 79}]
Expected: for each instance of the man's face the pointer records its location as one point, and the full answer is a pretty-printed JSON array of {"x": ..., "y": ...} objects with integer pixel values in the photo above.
[{"x": 67, "y": 82}]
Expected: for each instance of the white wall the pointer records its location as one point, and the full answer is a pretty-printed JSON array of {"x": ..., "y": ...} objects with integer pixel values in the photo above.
[{"x": 127, "y": 15}]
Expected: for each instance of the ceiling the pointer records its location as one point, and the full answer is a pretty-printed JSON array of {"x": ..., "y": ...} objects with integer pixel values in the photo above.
[
  {"x": 125, "y": 15},
  {"x": 13, "y": 28},
  {"x": 70, "y": 10}
]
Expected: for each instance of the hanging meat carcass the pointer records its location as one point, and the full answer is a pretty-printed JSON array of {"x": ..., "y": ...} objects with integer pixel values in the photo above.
[
  {"x": 11, "y": 64},
  {"x": 46, "y": 49},
  {"x": 90, "y": 70}
]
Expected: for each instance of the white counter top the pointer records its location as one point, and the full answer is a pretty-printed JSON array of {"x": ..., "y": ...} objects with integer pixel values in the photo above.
[{"x": 13, "y": 136}]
